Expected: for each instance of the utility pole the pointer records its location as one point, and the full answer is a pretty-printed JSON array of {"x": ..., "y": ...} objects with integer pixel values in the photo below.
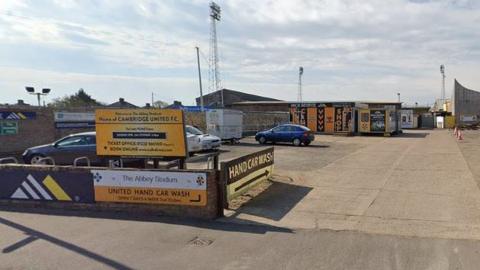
[
  {"x": 152, "y": 101},
  {"x": 300, "y": 73},
  {"x": 199, "y": 78}
]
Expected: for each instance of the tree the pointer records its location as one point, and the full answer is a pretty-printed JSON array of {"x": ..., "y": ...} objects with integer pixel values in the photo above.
[
  {"x": 159, "y": 104},
  {"x": 79, "y": 99}
]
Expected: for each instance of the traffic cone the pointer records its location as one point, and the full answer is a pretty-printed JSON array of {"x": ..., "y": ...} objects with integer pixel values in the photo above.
[
  {"x": 455, "y": 132},
  {"x": 460, "y": 136}
]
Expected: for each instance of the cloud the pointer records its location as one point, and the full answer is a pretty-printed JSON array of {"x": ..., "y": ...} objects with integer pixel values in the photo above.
[{"x": 350, "y": 49}]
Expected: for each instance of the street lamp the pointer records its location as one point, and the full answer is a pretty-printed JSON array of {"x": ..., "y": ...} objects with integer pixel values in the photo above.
[{"x": 31, "y": 91}]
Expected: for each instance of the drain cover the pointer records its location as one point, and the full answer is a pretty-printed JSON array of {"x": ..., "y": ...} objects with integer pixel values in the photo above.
[{"x": 200, "y": 242}]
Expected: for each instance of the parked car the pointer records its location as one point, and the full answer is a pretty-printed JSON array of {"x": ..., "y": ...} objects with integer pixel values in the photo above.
[
  {"x": 295, "y": 134},
  {"x": 194, "y": 143},
  {"x": 207, "y": 141},
  {"x": 65, "y": 150}
]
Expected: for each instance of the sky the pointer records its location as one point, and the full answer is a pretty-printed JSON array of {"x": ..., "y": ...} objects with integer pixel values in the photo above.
[{"x": 350, "y": 50}]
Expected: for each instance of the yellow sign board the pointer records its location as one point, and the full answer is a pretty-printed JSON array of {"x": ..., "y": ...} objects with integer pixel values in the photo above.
[
  {"x": 140, "y": 132},
  {"x": 150, "y": 187}
]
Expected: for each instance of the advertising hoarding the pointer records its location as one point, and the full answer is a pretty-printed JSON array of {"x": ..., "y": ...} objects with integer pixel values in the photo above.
[
  {"x": 150, "y": 187},
  {"x": 243, "y": 173},
  {"x": 140, "y": 133}
]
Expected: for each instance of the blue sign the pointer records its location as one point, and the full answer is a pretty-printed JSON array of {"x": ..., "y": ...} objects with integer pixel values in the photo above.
[
  {"x": 88, "y": 124},
  {"x": 24, "y": 183},
  {"x": 11, "y": 115}
]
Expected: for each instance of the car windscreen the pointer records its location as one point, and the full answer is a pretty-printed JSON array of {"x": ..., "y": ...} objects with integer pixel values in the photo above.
[{"x": 193, "y": 130}]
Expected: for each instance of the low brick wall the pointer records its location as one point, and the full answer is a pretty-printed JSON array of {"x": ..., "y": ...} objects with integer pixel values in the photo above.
[
  {"x": 197, "y": 119},
  {"x": 257, "y": 121},
  {"x": 253, "y": 121},
  {"x": 31, "y": 132},
  {"x": 41, "y": 130},
  {"x": 77, "y": 182}
]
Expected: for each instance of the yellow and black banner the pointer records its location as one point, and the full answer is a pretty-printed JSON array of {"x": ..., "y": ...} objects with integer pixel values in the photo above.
[{"x": 243, "y": 173}]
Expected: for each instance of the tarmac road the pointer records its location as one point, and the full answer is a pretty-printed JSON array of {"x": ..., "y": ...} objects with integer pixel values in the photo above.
[{"x": 408, "y": 202}]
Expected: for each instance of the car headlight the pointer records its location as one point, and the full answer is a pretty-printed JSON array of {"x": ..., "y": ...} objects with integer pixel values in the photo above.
[{"x": 25, "y": 152}]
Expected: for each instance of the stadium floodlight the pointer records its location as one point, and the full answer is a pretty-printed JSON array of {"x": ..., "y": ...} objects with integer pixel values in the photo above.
[
  {"x": 215, "y": 11},
  {"x": 31, "y": 91}
]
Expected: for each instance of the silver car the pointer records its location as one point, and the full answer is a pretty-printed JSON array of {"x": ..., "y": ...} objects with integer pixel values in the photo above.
[{"x": 207, "y": 141}]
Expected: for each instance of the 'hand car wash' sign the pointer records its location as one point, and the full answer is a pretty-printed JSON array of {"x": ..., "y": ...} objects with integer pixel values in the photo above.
[
  {"x": 140, "y": 132},
  {"x": 243, "y": 173}
]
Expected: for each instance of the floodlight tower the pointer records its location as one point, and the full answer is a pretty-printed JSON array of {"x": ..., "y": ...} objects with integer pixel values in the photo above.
[
  {"x": 442, "y": 71},
  {"x": 300, "y": 73},
  {"x": 31, "y": 91},
  {"x": 214, "y": 72}
]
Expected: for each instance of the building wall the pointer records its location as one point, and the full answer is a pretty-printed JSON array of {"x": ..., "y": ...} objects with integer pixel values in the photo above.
[
  {"x": 467, "y": 103},
  {"x": 256, "y": 121},
  {"x": 31, "y": 132},
  {"x": 260, "y": 107},
  {"x": 41, "y": 130}
]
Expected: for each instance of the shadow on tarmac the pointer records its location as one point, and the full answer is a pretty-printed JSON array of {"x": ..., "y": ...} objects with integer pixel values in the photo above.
[
  {"x": 275, "y": 202},
  {"x": 255, "y": 228},
  {"x": 251, "y": 144},
  {"x": 413, "y": 135},
  {"x": 34, "y": 235}
]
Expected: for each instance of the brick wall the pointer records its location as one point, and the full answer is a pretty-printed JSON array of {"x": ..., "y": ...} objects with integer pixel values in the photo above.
[
  {"x": 31, "y": 132},
  {"x": 210, "y": 211}
]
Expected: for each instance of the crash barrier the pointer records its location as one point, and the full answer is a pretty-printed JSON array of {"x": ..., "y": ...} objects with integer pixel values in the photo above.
[
  {"x": 242, "y": 174},
  {"x": 75, "y": 161},
  {"x": 186, "y": 193},
  {"x": 7, "y": 160}
]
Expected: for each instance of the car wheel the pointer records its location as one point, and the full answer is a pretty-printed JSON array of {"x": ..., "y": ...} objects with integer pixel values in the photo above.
[
  {"x": 262, "y": 140},
  {"x": 297, "y": 142},
  {"x": 35, "y": 159}
]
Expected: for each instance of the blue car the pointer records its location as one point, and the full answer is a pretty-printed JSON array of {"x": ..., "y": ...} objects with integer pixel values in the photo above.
[{"x": 295, "y": 134}]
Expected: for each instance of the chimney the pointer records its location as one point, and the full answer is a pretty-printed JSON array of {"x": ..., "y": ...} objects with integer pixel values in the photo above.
[
  {"x": 122, "y": 100},
  {"x": 20, "y": 102},
  {"x": 147, "y": 105}
]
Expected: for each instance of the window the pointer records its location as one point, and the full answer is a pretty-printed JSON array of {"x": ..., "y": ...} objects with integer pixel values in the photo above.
[
  {"x": 72, "y": 141},
  {"x": 91, "y": 140},
  {"x": 193, "y": 130}
]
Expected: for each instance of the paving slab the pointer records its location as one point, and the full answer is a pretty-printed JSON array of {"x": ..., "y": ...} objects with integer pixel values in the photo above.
[{"x": 415, "y": 185}]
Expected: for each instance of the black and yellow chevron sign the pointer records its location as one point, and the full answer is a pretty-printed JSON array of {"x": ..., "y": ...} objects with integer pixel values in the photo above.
[{"x": 48, "y": 189}]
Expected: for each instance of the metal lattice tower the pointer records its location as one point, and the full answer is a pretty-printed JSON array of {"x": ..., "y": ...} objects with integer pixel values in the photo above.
[
  {"x": 300, "y": 73},
  {"x": 442, "y": 71},
  {"x": 213, "y": 71}
]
